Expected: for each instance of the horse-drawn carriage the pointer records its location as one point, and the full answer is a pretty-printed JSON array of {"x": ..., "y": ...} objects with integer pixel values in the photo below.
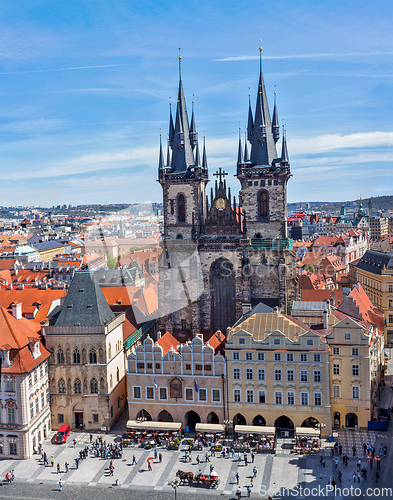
[{"x": 211, "y": 480}]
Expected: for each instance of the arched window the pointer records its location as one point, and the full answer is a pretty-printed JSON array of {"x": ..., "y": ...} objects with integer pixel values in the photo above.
[
  {"x": 181, "y": 208},
  {"x": 77, "y": 386},
  {"x": 110, "y": 382},
  {"x": 94, "y": 386},
  {"x": 60, "y": 357},
  {"x": 101, "y": 355},
  {"x": 263, "y": 204},
  {"x": 102, "y": 385},
  {"x": 61, "y": 386},
  {"x": 77, "y": 357},
  {"x": 93, "y": 356},
  {"x": 117, "y": 374}
]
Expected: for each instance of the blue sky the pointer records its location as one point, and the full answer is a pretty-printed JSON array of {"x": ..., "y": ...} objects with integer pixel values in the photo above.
[{"x": 85, "y": 87}]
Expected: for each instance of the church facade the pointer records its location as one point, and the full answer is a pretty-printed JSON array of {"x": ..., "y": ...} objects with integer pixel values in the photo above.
[{"x": 222, "y": 255}]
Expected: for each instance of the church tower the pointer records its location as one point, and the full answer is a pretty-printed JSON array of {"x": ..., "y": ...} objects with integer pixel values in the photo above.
[
  {"x": 184, "y": 177},
  {"x": 264, "y": 176}
]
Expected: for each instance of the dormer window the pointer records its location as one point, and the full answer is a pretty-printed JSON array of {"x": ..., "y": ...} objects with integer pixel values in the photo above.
[
  {"x": 242, "y": 340},
  {"x": 276, "y": 341}
]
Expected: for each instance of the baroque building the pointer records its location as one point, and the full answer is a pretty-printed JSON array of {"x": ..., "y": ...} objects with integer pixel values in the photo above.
[{"x": 221, "y": 256}]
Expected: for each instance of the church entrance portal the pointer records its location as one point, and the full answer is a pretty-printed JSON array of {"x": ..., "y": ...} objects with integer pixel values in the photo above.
[{"x": 222, "y": 286}]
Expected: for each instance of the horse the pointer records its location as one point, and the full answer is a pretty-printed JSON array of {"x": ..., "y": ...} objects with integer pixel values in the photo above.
[{"x": 185, "y": 476}]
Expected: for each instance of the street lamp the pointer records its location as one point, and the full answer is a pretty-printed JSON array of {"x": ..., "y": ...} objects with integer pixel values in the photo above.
[{"x": 175, "y": 484}]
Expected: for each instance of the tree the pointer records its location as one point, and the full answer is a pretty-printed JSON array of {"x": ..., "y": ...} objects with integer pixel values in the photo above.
[
  {"x": 111, "y": 263},
  {"x": 134, "y": 249}
]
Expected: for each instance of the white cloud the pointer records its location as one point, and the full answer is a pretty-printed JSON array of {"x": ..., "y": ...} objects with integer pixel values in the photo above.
[
  {"x": 332, "y": 142},
  {"x": 33, "y": 126},
  {"x": 305, "y": 56}
]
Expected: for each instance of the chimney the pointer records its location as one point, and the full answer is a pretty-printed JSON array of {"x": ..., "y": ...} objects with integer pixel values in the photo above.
[
  {"x": 219, "y": 335},
  {"x": 246, "y": 306},
  {"x": 17, "y": 310},
  {"x": 325, "y": 319},
  {"x": 158, "y": 335}
]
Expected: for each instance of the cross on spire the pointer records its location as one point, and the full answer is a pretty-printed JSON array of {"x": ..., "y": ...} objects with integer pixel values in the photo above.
[{"x": 220, "y": 174}]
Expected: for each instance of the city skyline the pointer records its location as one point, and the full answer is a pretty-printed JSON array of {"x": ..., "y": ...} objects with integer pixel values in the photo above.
[{"x": 85, "y": 94}]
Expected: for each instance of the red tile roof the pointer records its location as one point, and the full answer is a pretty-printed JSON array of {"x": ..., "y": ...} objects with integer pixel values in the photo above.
[{"x": 166, "y": 342}]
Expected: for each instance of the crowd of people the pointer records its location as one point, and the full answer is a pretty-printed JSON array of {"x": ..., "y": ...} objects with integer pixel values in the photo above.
[{"x": 306, "y": 444}]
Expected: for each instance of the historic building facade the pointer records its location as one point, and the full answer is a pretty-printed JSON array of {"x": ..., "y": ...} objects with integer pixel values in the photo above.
[
  {"x": 278, "y": 374},
  {"x": 220, "y": 253},
  {"x": 24, "y": 385},
  {"x": 176, "y": 383},
  {"x": 86, "y": 368}
]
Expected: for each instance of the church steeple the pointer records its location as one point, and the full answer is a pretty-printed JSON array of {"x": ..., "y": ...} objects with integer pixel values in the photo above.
[
  {"x": 204, "y": 157},
  {"x": 250, "y": 124},
  {"x": 284, "y": 149},
  {"x": 197, "y": 158},
  {"x": 245, "y": 147},
  {"x": 240, "y": 160},
  {"x": 182, "y": 156},
  {"x": 161, "y": 157},
  {"x": 275, "y": 123},
  {"x": 171, "y": 127},
  {"x": 193, "y": 133},
  {"x": 263, "y": 147}
]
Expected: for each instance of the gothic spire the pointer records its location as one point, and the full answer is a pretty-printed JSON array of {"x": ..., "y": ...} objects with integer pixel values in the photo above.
[
  {"x": 263, "y": 148},
  {"x": 275, "y": 123},
  {"x": 204, "y": 158},
  {"x": 182, "y": 156},
  {"x": 245, "y": 147},
  {"x": 284, "y": 150},
  {"x": 250, "y": 124},
  {"x": 171, "y": 127},
  {"x": 240, "y": 160},
  {"x": 161, "y": 157},
  {"x": 168, "y": 155},
  {"x": 193, "y": 133},
  {"x": 197, "y": 158}
]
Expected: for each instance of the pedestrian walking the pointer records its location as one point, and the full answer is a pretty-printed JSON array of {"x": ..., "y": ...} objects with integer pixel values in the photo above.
[
  {"x": 353, "y": 451},
  {"x": 378, "y": 464},
  {"x": 385, "y": 450},
  {"x": 239, "y": 493},
  {"x": 371, "y": 463},
  {"x": 358, "y": 475},
  {"x": 207, "y": 456},
  {"x": 323, "y": 463},
  {"x": 251, "y": 482},
  {"x": 197, "y": 459},
  {"x": 248, "y": 491},
  {"x": 52, "y": 460},
  {"x": 149, "y": 466},
  {"x": 91, "y": 438},
  {"x": 332, "y": 452},
  {"x": 321, "y": 460},
  {"x": 60, "y": 484},
  {"x": 252, "y": 457},
  {"x": 12, "y": 475},
  {"x": 339, "y": 474},
  {"x": 365, "y": 448},
  {"x": 58, "y": 468},
  {"x": 340, "y": 449},
  {"x": 237, "y": 478},
  {"x": 66, "y": 467},
  {"x": 160, "y": 457},
  {"x": 74, "y": 441},
  {"x": 155, "y": 454},
  {"x": 333, "y": 483},
  {"x": 255, "y": 471},
  {"x": 245, "y": 459},
  {"x": 133, "y": 460},
  {"x": 336, "y": 463},
  {"x": 359, "y": 463}
]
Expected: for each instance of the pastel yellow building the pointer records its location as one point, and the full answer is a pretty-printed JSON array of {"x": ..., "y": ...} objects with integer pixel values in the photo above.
[
  {"x": 356, "y": 360},
  {"x": 278, "y": 374}
]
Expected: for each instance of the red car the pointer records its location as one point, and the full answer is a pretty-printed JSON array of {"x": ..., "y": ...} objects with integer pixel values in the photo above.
[{"x": 62, "y": 434}]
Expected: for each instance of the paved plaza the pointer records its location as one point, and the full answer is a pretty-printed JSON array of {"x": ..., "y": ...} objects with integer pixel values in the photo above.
[{"x": 276, "y": 474}]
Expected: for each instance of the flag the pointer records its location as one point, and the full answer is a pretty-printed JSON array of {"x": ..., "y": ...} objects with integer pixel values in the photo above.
[
  {"x": 196, "y": 386},
  {"x": 155, "y": 384}
]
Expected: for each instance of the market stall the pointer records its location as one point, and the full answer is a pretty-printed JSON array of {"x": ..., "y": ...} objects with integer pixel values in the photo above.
[
  {"x": 150, "y": 434},
  {"x": 307, "y": 440},
  {"x": 259, "y": 438}
]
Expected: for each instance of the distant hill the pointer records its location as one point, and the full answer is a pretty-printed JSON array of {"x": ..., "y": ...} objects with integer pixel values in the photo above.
[{"x": 384, "y": 202}]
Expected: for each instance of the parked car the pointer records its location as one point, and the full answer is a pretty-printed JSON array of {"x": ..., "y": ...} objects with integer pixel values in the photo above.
[{"x": 62, "y": 434}]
